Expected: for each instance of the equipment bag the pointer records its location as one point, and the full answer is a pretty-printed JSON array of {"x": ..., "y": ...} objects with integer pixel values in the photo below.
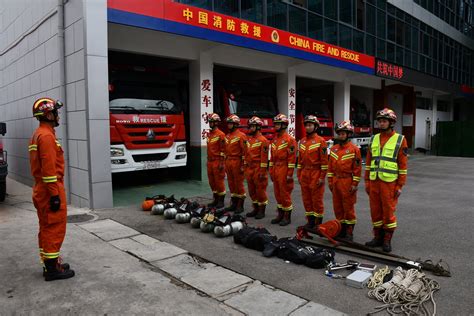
[
  {"x": 254, "y": 238},
  {"x": 293, "y": 250}
]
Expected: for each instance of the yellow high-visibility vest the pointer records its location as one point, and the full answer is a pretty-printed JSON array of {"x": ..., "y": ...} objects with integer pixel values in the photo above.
[{"x": 384, "y": 164}]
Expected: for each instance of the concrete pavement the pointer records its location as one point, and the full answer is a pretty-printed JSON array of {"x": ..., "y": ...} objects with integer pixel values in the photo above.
[{"x": 122, "y": 271}]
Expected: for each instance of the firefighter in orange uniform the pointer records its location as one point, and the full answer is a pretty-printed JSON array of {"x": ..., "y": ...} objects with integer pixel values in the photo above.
[
  {"x": 234, "y": 163},
  {"x": 344, "y": 177},
  {"x": 256, "y": 164},
  {"x": 282, "y": 165},
  {"x": 49, "y": 196},
  {"x": 215, "y": 161},
  {"x": 385, "y": 176},
  {"x": 312, "y": 169}
]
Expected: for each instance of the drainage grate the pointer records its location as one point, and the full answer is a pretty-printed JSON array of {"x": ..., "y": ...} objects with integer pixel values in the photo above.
[{"x": 79, "y": 218}]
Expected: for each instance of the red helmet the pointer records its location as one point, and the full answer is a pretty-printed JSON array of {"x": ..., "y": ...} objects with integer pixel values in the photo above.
[
  {"x": 345, "y": 126},
  {"x": 214, "y": 117},
  {"x": 388, "y": 114},
  {"x": 281, "y": 118},
  {"x": 43, "y": 106},
  {"x": 311, "y": 119},
  {"x": 255, "y": 120},
  {"x": 233, "y": 119}
]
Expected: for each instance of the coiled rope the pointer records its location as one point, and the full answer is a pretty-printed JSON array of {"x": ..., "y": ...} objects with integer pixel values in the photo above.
[{"x": 409, "y": 292}]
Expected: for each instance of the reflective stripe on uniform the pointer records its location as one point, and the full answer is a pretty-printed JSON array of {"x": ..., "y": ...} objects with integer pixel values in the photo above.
[
  {"x": 32, "y": 147},
  {"x": 50, "y": 179},
  {"x": 349, "y": 156},
  {"x": 357, "y": 179},
  {"x": 314, "y": 146},
  {"x": 330, "y": 174},
  {"x": 391, "y": 225},
  {"x": 377, "y": 224},
  {"x": 324, "y": 167},
  {"x": 334, "y": 155},
  {"x": 291, "y": 165},
  {"x": 282, "y": 146}
]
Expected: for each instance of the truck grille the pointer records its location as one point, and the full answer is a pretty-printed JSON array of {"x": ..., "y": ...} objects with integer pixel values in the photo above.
[{"x": 150, "y": 157}]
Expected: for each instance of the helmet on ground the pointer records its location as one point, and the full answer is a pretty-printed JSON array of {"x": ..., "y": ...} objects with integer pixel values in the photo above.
[
  {"x": 255, "y": 120},
  {"x": 311, "y": 119},
  {"x": 43, "y": 106},
  {"x": 233, "y": 119},
  {"x": 388, "y": 114},
  {"x": 214, "y": 117},
  {"x": 344, "y": 126},
  {"x": 281, "y": 118}
]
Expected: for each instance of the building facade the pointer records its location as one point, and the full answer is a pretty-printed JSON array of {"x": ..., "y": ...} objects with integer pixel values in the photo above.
[{"x": 414, "y": 56}]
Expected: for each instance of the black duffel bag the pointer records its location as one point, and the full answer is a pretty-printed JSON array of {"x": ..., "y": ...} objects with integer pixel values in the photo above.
[
  {"x": 253, "y": 238},
  {"x": 295, "y": 251}
]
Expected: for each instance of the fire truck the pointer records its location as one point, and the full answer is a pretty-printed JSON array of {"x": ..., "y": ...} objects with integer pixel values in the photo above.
[
  {"x": 246, "y": 100},
  {"x": 3, "y": 164},
  {"x": 147, "y": 127},
  {"x": 360, "y": 117},
  {"x": 315, "y": 102}
]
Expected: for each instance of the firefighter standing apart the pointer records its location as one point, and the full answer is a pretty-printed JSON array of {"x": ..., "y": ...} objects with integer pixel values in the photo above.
[
  {"x": 282, "y": 165},
  {"x": 312, "y": 168},
  {"x": 49, "y": 196},
  {"x": 385, "y": 175},
  {"x": 344, "y": 177},
  {"x": 234, "y": 163},
  {"x": 256, "y": 164},
  {"x": 215, "y": 161}
]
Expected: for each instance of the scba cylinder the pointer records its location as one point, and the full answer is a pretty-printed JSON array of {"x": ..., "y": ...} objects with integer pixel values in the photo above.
[
  {"x": 183, "y": 217},
  {"x": 195, "y": 222},
  {"x": 227, "y": 230},
  {"x": 206, "y": 227},
  {"x": 170, "y": 213},
  {"x": 157, "y": 209}
]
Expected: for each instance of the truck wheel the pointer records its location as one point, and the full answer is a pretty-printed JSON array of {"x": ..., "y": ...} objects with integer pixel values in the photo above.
[{"x": 3, "y": 191}]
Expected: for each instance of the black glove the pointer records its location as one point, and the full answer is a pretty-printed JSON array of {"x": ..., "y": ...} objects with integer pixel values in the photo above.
[{"x": 54, "y": 203}]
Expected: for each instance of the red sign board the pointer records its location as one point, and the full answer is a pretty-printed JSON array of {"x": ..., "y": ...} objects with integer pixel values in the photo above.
[
  {"x": 388, "y": 70},
  {"x": 192, "y": 21}
]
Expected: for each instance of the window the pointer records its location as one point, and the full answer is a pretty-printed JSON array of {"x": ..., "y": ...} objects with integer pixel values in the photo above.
[
  {"x": 381, "y": 24},
  {"x": 276, "y": 14},
  {"x": 442, "y": 106},
  {"x": 345, "y": 11},
  {"x": 330, "y": 9},
  {"x": 252, "y": 10},
  {"x": 381, "y": 49},
  {"x": 423, "y": 104},
  {"x": 330, "y": 31},
  {"x": 360, "y": 14},
  {"x": 227, "y": 7},
  {"x": 391, "y": 28},
  {"x": 400, "y": 32},
  {"x": 358, "y": 41},
  {"x": 370, "y": 19},
  {"x": 345, "y": 36},
  {"x": 390, "y": 52},
  {"x": 370, "y": 45},
  {"x": 399, "y": 55},
  {"x": 205, "y": 4},
  {"x": 315, "y": 26},
  {"x": 316, "y": 6},
  {"x": 297, "y": 20}
]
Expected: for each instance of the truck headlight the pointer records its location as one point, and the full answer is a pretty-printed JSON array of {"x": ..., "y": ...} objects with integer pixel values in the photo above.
[
  {"x": 181, "y": 149},
  {"x": 116, "y": 152}
]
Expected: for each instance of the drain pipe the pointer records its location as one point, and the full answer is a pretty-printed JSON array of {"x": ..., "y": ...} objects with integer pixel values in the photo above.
[{"x": 62, "y": 92}]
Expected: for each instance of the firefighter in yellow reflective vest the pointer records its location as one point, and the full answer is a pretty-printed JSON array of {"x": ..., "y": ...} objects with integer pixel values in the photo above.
[{"x": 385, "y": 175}]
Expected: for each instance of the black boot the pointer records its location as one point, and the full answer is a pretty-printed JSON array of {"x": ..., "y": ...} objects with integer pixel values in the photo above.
[
  {"x": 214, "y": 202},
  {"x": 286, "y": 218},
  {"x": 349, "y": 232},
  {"x": 54, "y": 271},
  {"x": 64, "y": 266},
  {"x": 311, "y": 224},
  {"x": 279, "y": 217},
  {"x": 318, "y": 221},
  {"x": 377, "y": 241},
  {"x": 261, "y": 212},
  {"x": 342, "y": 234},
  {"x": 387, "y": 241},
  {"x": 220, "y": 201},
  {"x": 233, "y": 205},
  {"x": 239, "y": 208},
  {"x": 254, "y": 211}
]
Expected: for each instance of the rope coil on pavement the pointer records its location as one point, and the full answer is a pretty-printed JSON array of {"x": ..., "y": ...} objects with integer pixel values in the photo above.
[{"x": 409, "y": 292}]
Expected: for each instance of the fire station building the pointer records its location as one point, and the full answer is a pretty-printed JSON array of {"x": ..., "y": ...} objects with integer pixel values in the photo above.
[{"x": 338, "y": 59}]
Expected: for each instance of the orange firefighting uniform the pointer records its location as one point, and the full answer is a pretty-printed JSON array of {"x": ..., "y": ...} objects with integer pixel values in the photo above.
[
  {"x": 344, "y": 172},
  {"x": 256, "y": 163},
  {"x": 234, "y": 161},
  {"x": 282, "y": 165},
  {"x": 215, "y": 161},
  {"x": 383, "y": 202},
  {"x": 312, "y": 166},
  {"x": 47, "y": 168}
]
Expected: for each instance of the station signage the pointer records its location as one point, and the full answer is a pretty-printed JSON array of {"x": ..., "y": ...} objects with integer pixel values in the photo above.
[
  {"x": 388, "y": 70},
  {"x": 177, "y": 18}
]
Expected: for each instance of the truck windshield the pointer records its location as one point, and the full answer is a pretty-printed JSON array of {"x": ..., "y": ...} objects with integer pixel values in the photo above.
[
  {"x": 143, "y": 106},
  {"x": 360, "y": 115},
  {"x": 248, "y": 106}
]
